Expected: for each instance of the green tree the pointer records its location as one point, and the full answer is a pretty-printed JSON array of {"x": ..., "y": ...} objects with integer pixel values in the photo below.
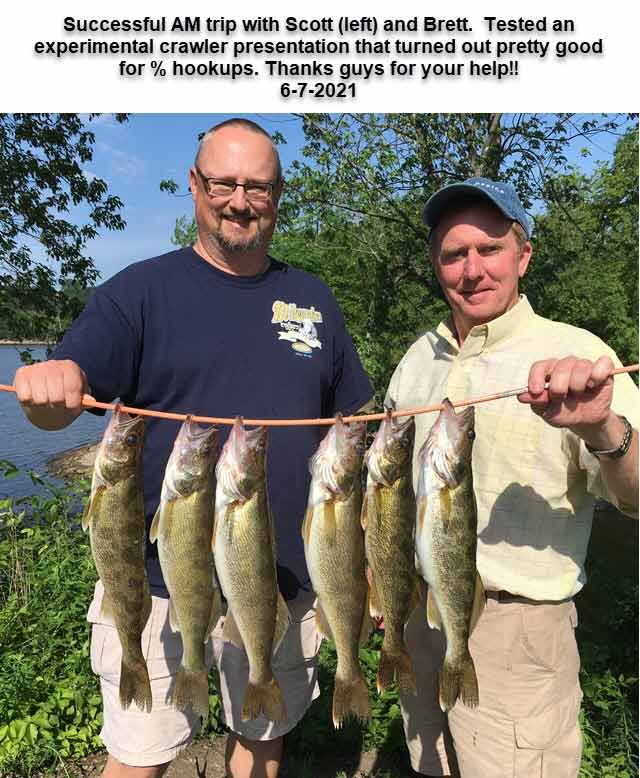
[
  {"x": 585, "y": 267},
  {"x": 42, "y": 177},
  {"x": 351, "y": 213}
]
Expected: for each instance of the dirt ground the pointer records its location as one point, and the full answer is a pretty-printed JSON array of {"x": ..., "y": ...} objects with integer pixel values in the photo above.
[{"x": 205, "y": 759}]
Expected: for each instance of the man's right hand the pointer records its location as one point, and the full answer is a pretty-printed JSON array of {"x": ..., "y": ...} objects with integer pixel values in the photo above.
[{"x": 50, "y": 393}]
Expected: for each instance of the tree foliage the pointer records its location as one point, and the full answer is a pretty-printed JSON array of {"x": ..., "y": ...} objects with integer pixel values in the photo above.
[
  {"x": 363, "y": 183},
  {"x": 351, "y": 213},
  {"x": 585, "y": 268},
  {"x": 42, "y": 246}
]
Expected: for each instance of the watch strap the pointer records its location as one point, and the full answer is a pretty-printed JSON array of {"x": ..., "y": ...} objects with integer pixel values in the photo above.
[{"x": 619, "y": 451}]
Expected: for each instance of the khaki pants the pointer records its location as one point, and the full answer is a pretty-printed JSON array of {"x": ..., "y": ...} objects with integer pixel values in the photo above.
[
  {"x": 526, "y": 726},
  {"x": 140, "y": 739}
]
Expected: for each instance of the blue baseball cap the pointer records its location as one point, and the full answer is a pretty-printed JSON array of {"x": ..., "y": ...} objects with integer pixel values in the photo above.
[{"x": 502, "y": 195}]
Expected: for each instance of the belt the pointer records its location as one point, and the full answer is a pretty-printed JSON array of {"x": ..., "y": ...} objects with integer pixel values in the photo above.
[{"x": 504, "y": 596}]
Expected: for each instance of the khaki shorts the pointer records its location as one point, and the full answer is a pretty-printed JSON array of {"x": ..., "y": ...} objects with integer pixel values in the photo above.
[
  {"x": 143, "y": 739},
  {"x": 526, "y": 725}
]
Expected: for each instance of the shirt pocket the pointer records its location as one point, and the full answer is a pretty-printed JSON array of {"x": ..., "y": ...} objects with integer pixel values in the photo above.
[
  {"x": 547, "y": 637},
  {"x": 161, "y": 648},
  {"x": 302, "y": 640}
]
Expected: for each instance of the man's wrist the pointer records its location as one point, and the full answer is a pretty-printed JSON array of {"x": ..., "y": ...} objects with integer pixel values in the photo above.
[{"x": 612, "y": 440}]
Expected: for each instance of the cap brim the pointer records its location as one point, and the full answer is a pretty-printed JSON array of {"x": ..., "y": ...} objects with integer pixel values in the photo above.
[{"x": 438, "y": 202}]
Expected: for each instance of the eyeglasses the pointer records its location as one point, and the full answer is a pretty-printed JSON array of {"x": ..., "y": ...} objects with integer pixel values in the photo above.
[{"x": 256, "y": 191}]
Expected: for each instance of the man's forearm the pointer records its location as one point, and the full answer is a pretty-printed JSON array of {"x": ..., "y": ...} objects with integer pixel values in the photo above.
[{"x": 621, "y": 476}]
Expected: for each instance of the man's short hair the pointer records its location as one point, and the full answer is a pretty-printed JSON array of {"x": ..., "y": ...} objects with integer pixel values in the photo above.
[{"x": 246, "y": 124}]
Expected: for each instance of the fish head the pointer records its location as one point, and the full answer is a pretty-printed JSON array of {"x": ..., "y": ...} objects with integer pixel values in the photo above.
[
  {"x": 450, "y": 442},
  {"x": 121, "y": 447},
  {"x": 338, "y": 461},
  {"x": 241, "y": 469},
  {"x": 193, "y": 457},
  {"x": 389, "y": 456}
]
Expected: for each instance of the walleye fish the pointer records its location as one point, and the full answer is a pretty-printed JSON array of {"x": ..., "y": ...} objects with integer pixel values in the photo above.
[
  {"x": 388, "y": 518},
  {"x": 334, "y": 550},
  {"x": 115, "y": 518},
  {"x": 245, "y": 558},
  {"x": 183, "y": 529},
  {"x": 446, "y": 539}
]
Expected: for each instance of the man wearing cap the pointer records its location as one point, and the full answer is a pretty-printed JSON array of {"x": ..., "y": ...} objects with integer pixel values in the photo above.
[{"x": 539, "y": 463}]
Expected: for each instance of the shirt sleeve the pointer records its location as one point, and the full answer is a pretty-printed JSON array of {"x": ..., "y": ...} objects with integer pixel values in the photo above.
[
  {"x": 105, "y": 343},
  {"x": 351, "y": 388},
  {"x": 391, "y": 397}
]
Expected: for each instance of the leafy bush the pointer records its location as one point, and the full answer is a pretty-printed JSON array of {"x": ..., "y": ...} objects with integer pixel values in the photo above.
[{"x": 49, "y": 699}]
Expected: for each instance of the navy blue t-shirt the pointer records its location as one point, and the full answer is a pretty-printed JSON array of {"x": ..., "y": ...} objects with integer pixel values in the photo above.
[{"x": 174, "y": 333}]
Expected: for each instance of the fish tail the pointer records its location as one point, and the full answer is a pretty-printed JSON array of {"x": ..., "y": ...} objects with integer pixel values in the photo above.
[
  {"x": 458, "y": 680},
  {"x": 264, "y": 698},
  {"x": 395, "y": 665},
  {"x": 134, "y": 685},
  {"x": 350, "y": 697},
  {"x": 192, "y": 691}
]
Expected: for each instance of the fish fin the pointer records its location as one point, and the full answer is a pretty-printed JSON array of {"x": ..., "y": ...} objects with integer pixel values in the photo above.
[
  {"x": 264, "y": 698},
  {"x": 416, "y": 594},
  {"x": 135, "y": 686},
  {"x": 363, "y": 511},
  {"x": 329, "y": 521},
  {"x": 283, "y": 619},
  {"x": 367, "y": 626},
  {"x": 459, "y": 681},
  {"x": 92, "y": 503},
  {"x": 306, "y": 526},
  {"x": 434, "y": 620},
  {"x": 322, "y": 624},
  {"x": 396, "y": 666},
  {"x": 375, "y": 603},
  {"x": 216, "y": 517},
  {"x": 350, "y": 698},
  {"x": 86, "y": 518},
  {"x": 155, "y": 527},
  {"x": 215, "y": 614},
  {"x": 191, "y": 691},
  {"x": 479, "y": 601},
  {"x": 174, "y": 622},
  {"x": 422, "y": 512},
  {"x": 230, "y": 631},
  {"x": 106, "y": 607},
  {"x": 444, "y": 495},
  {"x": 146, "y": 603}
]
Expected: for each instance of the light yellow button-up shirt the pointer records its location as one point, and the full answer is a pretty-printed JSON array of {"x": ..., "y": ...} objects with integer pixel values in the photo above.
[{"x": 535, "y": 485}]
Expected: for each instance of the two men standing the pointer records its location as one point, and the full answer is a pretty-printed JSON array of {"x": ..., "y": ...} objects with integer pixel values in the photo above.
[{"x": 197, "y": 329}]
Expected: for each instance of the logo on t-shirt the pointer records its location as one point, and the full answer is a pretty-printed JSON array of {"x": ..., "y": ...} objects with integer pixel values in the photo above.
[{"x": 298, "y": 326}]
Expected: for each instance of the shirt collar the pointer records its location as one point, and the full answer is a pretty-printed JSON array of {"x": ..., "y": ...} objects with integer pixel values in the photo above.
[{"x": 495, "y": 331}]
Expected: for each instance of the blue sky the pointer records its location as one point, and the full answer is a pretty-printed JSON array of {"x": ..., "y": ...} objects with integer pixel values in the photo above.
[{"x": 135, "y": 156}]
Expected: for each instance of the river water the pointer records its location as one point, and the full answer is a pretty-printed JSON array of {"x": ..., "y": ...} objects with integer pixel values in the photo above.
[{"x": 26, "y": 446}]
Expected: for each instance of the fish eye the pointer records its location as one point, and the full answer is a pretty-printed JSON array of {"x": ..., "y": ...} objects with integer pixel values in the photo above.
[
  {"x": 471, "y": 434},
  {"x": 131, "y": 440}
]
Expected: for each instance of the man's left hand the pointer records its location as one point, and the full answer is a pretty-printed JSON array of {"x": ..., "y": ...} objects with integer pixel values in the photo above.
[{"x": 579, "y": 395}]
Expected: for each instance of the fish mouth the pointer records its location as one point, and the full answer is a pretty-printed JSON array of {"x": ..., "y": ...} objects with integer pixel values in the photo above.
[
  {"x": 339, "y": 456},
  {"x": 450, "y": 442},
  {"x": 196, "y": 429},
  {"x": 122, "y": 418}
]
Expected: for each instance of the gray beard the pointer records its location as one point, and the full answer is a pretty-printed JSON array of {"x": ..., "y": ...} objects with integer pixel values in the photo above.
[{"x": 238, "y": 246}]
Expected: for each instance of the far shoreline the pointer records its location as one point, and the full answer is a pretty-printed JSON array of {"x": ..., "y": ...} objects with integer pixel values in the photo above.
[{"x": 27, "y": 342}]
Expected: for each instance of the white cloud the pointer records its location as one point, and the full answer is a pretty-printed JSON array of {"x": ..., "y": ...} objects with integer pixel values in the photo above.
[{"x": 123, "y": 163}]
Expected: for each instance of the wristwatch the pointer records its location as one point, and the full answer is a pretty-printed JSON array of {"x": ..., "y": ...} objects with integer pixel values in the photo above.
[{"x": 619, "y": 451}]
